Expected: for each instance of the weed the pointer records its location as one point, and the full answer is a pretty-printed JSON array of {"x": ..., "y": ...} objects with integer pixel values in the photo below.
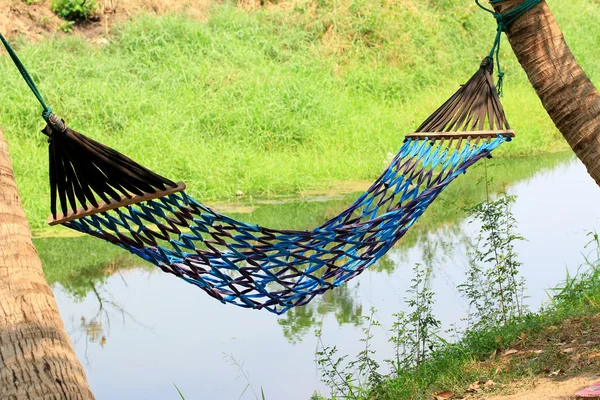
[
  {"x": 414, "y": 335},
  {"x": 240, "y": 367},
  {"x": 179, "y": 392},
  {"x": 571, "y": 316},
  {"x": 414, "y": 338},
  {"x": 581, "y": 288},
  {"x": 66, "y": 26},
  {"x": 493, "y": 287},
  {"x": 75, "y": 10}
]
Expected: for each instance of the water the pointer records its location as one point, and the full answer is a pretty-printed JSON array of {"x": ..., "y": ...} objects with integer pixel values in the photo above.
[{"x": 138, "y": 332}]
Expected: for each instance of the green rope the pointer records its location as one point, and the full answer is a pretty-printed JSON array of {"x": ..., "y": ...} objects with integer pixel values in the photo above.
[
  {"x": 504, "y": 21},
  {"x": 46, "y": 109}
]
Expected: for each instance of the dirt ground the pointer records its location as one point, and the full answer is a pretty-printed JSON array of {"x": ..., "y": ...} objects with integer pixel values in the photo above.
[
  {"x": 561, "y": 360},
  {"x": 549, "y": 389},
  {"x": 36, "y": 21}
]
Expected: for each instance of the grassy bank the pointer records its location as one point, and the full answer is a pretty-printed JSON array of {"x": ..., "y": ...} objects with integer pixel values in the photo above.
[
  {"x": 561, "y": 340},
  {"x": 278, "y": 100}
]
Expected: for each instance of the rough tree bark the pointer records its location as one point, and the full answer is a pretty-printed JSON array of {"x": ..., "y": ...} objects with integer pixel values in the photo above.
[
  {"x": 37, "y": 360},
  {"x": 566, "y": 92}
]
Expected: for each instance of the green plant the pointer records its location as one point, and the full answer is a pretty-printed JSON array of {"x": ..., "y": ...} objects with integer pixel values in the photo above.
[
  {"x": 75, "y": 10},
  {"x": 45, "y": 21},
  {"x": 66, "y": 26},
  {"x": 493, "y": 287},
  {"x": 355, "y": 379},
  {"x": 262, "y": 125},
  {"x": 415, "y": 334},
  {"x": 576, "y": 289},
  {"x": 414, "y": 338},
  {"x": 365, "y": 366},
  {"x": 179, "y": 392},
  {"x": 31, "y": 2},
  {"x": 240, "y": 367}
]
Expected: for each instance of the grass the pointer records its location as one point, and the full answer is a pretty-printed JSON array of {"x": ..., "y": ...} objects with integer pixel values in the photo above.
[
  {"x": 291, "y": 97},
  {"x": 571, "y": 320},
  {"x": 561, "y": 340}
]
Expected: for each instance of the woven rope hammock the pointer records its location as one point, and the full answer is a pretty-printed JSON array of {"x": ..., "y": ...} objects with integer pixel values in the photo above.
[{"x": 98, "y": 191}]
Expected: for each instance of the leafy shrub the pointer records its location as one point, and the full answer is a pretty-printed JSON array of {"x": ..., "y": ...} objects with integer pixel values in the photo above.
[
  {"x": 66, "y": 26},
  {"x": 75, "y": 10}
]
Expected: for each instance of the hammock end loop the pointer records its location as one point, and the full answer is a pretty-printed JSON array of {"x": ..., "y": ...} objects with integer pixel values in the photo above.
[
  {"x": 488, "y": 64},
  {"x": 55, "y": 122}
]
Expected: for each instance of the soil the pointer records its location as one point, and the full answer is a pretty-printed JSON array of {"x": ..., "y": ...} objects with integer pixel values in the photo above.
[
  {"x": 553, "y": 364},
  {"x": 37, "y": 21},
  {"x": 549, "y": 389},
  {"x": 33, "y": 22}
]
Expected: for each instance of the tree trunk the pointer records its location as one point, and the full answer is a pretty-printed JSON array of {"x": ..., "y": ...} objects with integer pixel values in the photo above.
[
  {"x": 37, "y": 360},
  {"x": 566, "y": 92}
]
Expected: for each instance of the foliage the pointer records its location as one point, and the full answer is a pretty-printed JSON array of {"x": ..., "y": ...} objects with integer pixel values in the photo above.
[
  {"x": 414, "y": 336},
  {"x": 66, "y": 26},
  {"x": 493, "y": 287},
  {"x": 270, "y": 101},
  {"x": 31, "y": 2},
  {"x": 577, "y": 289},
  {"x": 573, "y": 307},
  {"x": 353, "y": 379},
  {"x": 75, "y": 10},
  {"x": 240, "y": 367}
]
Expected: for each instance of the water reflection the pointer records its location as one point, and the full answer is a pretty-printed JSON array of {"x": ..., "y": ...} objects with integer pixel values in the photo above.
[
  {"x": 115, "y": 306},
  {"x": 80, "y": 264},
  {"x": 299, "y": 321}
]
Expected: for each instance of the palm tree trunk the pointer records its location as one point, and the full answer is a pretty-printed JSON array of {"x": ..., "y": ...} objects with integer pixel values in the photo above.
[
  {"x": 566, "y": 92},
  {"x": 37, "y": 360}
]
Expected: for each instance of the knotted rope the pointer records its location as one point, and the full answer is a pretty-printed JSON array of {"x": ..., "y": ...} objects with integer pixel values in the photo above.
[{"x": 504, "y": 21}]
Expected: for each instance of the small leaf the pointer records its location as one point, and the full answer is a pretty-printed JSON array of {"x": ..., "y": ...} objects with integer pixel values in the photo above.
[
  {"x": 445, "y": 395},
  {"x": 474, "y": 387},
  {"x": 489, "y": 384},
  {"x": 555, "y": 373},
  {"x": 593, "y": 355}
]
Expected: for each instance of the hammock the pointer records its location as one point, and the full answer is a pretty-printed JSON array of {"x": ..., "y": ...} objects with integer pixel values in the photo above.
[{"x": 101, "y": 192}]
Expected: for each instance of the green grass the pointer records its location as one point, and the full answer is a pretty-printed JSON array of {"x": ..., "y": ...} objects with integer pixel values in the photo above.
[
  {"x": 272, "y": 101},
  {"x": 571, "y": 319}
]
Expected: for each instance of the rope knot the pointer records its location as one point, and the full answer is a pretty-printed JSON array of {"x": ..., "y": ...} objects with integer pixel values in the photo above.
[
  {"x": 56, "y": 123},
  {"x": 487, "y": 64}
]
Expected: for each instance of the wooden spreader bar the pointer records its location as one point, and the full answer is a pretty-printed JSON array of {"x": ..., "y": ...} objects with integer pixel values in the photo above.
[
  {"x": 460, "y": 135},
  {"x": 103, "y": 206}
]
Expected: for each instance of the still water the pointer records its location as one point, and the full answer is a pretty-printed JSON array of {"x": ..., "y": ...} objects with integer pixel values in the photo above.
[{"x": 139, "y": 332}]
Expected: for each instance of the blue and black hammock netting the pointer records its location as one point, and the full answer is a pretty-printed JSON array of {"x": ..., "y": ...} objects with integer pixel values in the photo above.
[{"x": 253, "y": 266}]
